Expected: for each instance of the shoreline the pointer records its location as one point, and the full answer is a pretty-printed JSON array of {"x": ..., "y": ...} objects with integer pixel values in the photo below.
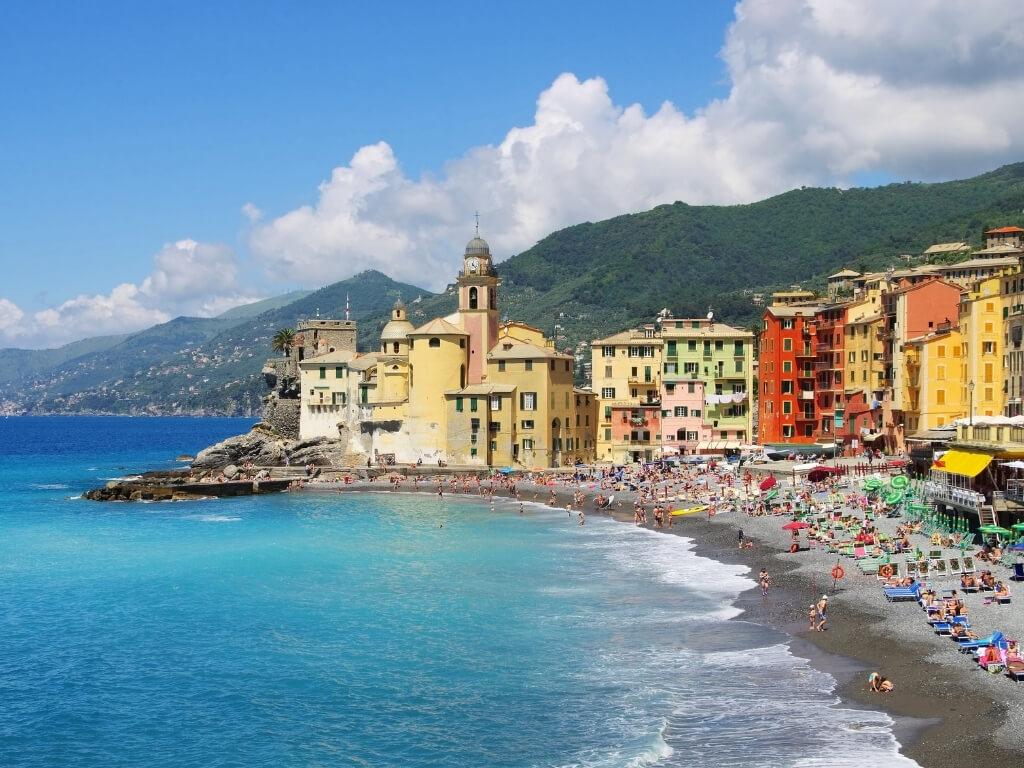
[{"x": 944, "y": 709}]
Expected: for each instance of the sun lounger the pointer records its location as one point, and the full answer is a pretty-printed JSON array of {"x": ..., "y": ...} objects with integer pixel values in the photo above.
[
  {"x": 966, "y": 646},
  {"x": 955, "y": 567},
  {"x": 897, "y": 594},
  {"x": 912, "y": 568},
  {"x": 940, "y": 567},
  {"x": 1018, "y": 572},
  {"x": 967, "y": 564},
  {"x": 1015, "y": 669}
]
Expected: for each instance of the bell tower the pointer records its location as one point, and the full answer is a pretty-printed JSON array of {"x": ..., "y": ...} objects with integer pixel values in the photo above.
[{"x": 478, "y": 304}]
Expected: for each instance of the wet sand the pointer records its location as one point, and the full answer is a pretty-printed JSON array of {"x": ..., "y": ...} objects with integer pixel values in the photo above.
[{"x": 946, "y": 713}]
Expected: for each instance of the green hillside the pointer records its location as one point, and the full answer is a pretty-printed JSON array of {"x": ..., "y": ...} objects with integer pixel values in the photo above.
[{"x": 577, "y": 284}]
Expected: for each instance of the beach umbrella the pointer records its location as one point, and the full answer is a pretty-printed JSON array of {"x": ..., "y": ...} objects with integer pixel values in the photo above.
[
  {"x": 1018, "y": 547},
  {"x": 796, "y": 525},
  {"x": 872, "y": 484},
  {"x": 1018, "y": 526},
  {"x": 768, "y": 482},
  {"x": 900, "y": 482},
  {"x": 996, "y": 529},
  {"x": 894, "y": 497}
]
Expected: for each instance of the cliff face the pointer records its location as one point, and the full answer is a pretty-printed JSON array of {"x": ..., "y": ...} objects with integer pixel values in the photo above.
[{"x": 265, "y": 447}]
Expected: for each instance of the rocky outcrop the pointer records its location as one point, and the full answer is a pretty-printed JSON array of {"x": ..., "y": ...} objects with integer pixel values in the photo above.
[{"x": 263, "y": 447}]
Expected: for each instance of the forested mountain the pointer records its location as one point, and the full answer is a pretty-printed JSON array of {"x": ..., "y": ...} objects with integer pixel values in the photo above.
[{"x": 579, "y": 283}]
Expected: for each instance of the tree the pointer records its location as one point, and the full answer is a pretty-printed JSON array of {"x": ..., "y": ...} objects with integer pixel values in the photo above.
[{"x": 282, "y": 341}]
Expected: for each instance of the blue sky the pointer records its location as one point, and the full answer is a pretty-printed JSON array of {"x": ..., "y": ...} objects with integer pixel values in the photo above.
[{"x": 178, "y": 158}]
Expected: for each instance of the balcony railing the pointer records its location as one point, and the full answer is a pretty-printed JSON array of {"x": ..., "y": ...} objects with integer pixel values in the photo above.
[
  {"x": 957, "y": 497},
  {"x": 807, "y": 394}
]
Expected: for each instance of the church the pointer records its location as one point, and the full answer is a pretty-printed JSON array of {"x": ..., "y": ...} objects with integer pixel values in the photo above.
[{"x": 466, "y": 389}]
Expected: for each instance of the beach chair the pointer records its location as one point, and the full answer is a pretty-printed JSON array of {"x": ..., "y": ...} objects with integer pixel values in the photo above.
[
  {"x": 940, "y": 568},
  {"x": 900, "y": 594},
  {"x": 923, "y": 568},
  {"x": 966, "y": 646},
  {"x": 912, "y": 568},
  {"x": 967, "y": 564},
  {"x": 1018, "y": 572},
  {"x": 955, "y": 567},
  {"x": 1015, "y": 670},
  {"x": 934, "y": 554}
]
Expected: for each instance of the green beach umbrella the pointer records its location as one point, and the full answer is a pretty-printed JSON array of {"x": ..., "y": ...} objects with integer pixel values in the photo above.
[
  {"x": 900, "y": 481},
  {"x": 872, "y": 484},
  {"x": 997, "y": 529},
  {"x": 1018, "y": 526},
  {"x": 894, "y": 498}
]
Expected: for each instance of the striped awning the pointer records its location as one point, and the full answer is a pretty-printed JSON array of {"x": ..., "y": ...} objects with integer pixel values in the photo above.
[{"x": 959, "y": 462}]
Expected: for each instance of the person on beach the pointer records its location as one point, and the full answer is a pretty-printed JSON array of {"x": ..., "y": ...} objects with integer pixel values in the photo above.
[
  {"x": 765, "y": 580},
  {"x": 739, "y": 538},
  {"x": 878, "y": 684},
  {"x": 812, "y": 615},
  {"x": 822, "y": 609},
  {"x": 583, "y": 520}
]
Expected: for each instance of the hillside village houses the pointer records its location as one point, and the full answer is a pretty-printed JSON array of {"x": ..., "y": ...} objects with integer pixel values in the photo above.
[{"x": 897, "y": 357}]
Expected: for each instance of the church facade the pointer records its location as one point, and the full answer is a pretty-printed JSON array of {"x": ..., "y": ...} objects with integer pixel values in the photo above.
[{"x": 466, "y": 389}]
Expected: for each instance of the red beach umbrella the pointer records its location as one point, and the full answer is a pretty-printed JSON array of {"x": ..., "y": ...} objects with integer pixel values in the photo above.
[
  {"x": 796, "y": 525},
  {"x": 768, "y": 482}
]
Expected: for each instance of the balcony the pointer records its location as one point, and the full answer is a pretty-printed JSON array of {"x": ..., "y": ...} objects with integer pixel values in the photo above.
[
  {"x": 805, "y": 353},
  {"x": 806, "y": 416},
  {"x": 807, "y": 394},
  {"x": 820, "y": 365},
  {"x": 821, "y": 348}
]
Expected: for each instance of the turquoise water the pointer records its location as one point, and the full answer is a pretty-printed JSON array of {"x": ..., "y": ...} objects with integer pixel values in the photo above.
[{"x": 316, "y": 629}]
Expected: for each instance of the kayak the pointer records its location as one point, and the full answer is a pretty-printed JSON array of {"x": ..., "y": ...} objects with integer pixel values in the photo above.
[{"x": 690, "y": 511}]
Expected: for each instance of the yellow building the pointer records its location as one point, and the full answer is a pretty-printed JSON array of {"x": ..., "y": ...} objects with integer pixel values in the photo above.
[
  {"x": 626, "y": 371},
  {"x": 932, "y": 382},
  {"x": 864, "y": 367},
  {"x": 982, "y": 346},
  {"x": 460, "y": 389}
]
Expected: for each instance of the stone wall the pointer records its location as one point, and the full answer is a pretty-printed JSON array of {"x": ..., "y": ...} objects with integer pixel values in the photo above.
[{"x": 283, "y": 415}]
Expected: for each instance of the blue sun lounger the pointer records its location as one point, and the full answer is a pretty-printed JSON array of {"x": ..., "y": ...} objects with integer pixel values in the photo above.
[
  {"x": 896, "y": 594},
  {"x": 966, "y": 646}
]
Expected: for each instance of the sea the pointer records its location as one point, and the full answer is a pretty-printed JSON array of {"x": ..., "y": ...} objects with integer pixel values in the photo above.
[{"x": 382, "y": 629}]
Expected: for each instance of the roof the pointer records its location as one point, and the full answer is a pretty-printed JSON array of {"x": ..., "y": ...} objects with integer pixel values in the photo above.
[
  {"x": 792, "y": 310},
  {"x": 1005, "y": 261},
  {"x": 844, "y": 273},
  {"x": 628, "y": 337},
  {"x": 714, "y": 330},
  {"x": 483, "y": 389},
  {"x": 960, "y": 462},
  {"x": 478, "y": 246},
  {"x": 438, "y": 327},
  {"x": 937, "y": 435},
  {"x": 1004, "y": 231},
  {"x": 998, "y": 250},
  {"x": 946, "y": 248},
  {"x": 364, "y": 362},
  {"x": 396, "y": 330},
  {"x": 522, "y": 351},
  {"x": 338, "y": 356}
]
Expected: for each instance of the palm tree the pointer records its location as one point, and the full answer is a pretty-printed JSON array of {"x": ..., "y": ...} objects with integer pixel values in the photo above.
[{"x": 282, "y": 341}]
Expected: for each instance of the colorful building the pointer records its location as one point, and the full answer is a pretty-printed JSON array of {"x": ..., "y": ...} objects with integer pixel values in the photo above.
[{"x": 786, "y": 371}]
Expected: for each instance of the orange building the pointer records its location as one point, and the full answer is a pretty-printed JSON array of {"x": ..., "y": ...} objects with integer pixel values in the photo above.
[{"x": 786, "y": 370}]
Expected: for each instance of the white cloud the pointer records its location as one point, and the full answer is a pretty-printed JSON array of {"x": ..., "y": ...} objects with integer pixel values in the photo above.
[
  {"x": 820, "y": 91},
  {"x": 189, "y": 278},
  {"x": 252, "y": 213}
]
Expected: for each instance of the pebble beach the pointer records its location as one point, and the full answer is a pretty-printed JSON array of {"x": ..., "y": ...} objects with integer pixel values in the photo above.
[{"x": 948, "y": 710}]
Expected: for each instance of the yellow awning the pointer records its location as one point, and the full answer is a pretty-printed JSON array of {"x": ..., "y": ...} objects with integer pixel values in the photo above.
[{"x": 963, "y": 462}]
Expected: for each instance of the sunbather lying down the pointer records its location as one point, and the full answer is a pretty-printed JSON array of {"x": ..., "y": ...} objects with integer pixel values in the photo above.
[{"x": 879, "y": 684}]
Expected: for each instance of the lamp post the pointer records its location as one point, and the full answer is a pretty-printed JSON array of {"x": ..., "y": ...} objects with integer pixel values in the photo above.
[{"x": 970, "y": 392}]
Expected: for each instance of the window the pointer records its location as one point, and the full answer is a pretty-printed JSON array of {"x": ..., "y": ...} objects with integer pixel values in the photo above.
[
  {"x": 940, "y": 397},
  {"x": 337, "y": 398},
  {"x": 634, "y": 351},
  {"x": 695, "y": 413},
  {"x": 473, "y": 298},
  {"x": 528, "y": 401},
  {"x": 495, "y": 426},
  {"x": 607, "y": 351},
  {"x": 671, "y": 352},
  {"x": 787, "y": 366},
  {"x": 787, "y": 430},
  {"x": 472, "y": 404},
  {"x": 787, "y": 406},
  {"x": 494, "y": 445},
  {"x": 787, "y": 387},
  {"x": 787, "y": 324},
  {"x": 552, "y": 365},
  {"x": 633, "y": 372},
  {"x": 681, "y": 410},
  {"x": 737, "y": 349},
  {"x": 739, "y": 366},
  {"x": 528, "y": 365},
  {"x": 323, "y": 372},
  {"x": 607, "y": 412},
  {"x": 608, "y": 393},
  {"x": 339, "y": 372},
  {"x": 691, "y": 436},
  {"x": 719, "y": 345},
  {"x": 648, "y": 351},
  {"x": 607, "y": 434},
  {"x": 691, "y": 345},
  {"x": 501, "y": 365},
  {"x": 527, "y": 444},
  {"x": 787, "y": 345},
  {"x": 691, "y": 388},
  {"x": 526, "y": 424},
  {"x": 607, "y": 371},
  {"x": 434, "y": 342},
  {"x": 495, "y": 403},
  {"x": 458, "y": 404}
]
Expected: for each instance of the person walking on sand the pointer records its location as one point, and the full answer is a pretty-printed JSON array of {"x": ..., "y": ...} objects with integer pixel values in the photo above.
[
  {"x": 812, "y": 615},
  {"x": 739, "y": 538},
  {"x": 765, "y": 581},
  {"x": 822, "y": 609}
]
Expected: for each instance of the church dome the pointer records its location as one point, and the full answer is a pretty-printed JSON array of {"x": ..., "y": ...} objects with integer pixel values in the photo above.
[
  {"x": 396, "y": 330},
  {"x": 478, "y": 247}
]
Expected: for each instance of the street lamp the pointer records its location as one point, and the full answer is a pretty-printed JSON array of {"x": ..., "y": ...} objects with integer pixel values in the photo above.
[{"x": 970, "y": 392}]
